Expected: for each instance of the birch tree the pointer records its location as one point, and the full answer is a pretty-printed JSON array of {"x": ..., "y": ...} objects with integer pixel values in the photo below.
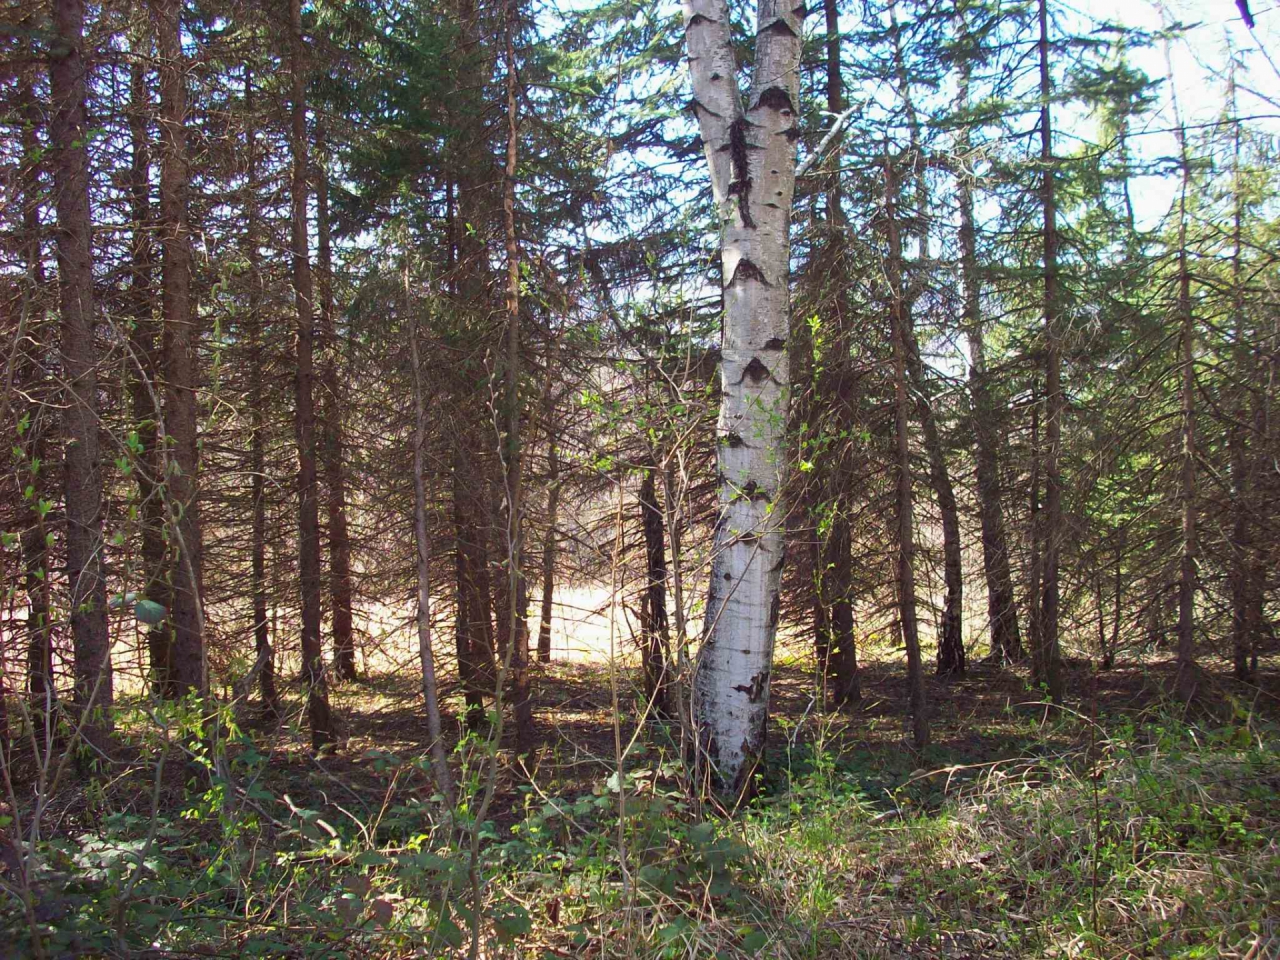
[{"x": 750, "y": 148}]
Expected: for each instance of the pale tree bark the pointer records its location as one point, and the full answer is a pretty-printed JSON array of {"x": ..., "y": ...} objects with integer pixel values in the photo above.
[
  {"x": 750, "y": 149},
  {"x": 908, "y": 622},
  {"x": 313, "y": 667},
  {"x": 1002, "y": 612},
  {"x": 332, "y": 406},
  {"x": 69, "y": 141},
  {"x": 426, "y": 655},
  {"x": 1047, "y": 667},
  {"x": 187, "y": 667}
]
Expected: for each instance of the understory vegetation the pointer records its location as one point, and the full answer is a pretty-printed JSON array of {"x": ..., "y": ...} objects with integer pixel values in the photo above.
[
  {"x": 639, "y": 479},
  {"x": 1025, "y": 831}
]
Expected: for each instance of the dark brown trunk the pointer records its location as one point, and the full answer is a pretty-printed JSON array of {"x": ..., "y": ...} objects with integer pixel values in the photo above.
[
  {"x": 313, "y": 666},
  {"x": 549, "y": 541},
  {"x": 835, "y": 106},
  {"x": 1186, "y": 680},
  {"x": 474, "y": 622},
  {"x": 906, "y": 585},
  {"x": 1047, "y": 669},
  {"x": 951, "y": 655},
  {"x": 264, "y": 656},
  {"x": 821, "y": 619},
  {"x": 187, "y": 667},
  {"x": 655, "y": 637},
  {"x": 1109, "y": 656},
  {"x": 837, "y": 562},
  {"x": 1002, "y": 612},
  {"x": 331, "y": 406},
  {"x": 69, "y": 142},
  {"x": 521, "y": 704},
  {"x": 41, "y": 690},
  {"x": 144, "y": 389},
  {"x": 834, "y": 622},
  {"x": 1035, "y": 564},
  {"x": 1246, "y": 606},
  {"x": 426, "y": 653}
]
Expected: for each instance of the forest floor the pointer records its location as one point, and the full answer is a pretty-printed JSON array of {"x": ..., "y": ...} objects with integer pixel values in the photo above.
[{"x": 1122, "y": 826}]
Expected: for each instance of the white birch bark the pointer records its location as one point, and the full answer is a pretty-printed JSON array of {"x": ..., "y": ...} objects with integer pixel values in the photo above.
[{"x": 750, "y": 149}]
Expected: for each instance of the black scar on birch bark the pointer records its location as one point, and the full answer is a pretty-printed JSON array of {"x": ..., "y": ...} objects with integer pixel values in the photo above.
[
  {"x": 778, "y": 26},
  {"x": 747, "y": 270},
  {"x": 741, "y": 185},
  {"x": 755, "y": 371},
  {"x": 776, "y": 98},
  {"x": 756, "y": 688},
  {"x": 695, "y": 105}
]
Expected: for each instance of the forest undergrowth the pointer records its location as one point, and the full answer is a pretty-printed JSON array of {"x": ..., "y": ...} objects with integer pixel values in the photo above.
[{"x": 1126, "y": 827}]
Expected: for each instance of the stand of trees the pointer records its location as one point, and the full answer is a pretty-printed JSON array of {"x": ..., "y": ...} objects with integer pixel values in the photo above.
[{"x": 877, "y": 330}]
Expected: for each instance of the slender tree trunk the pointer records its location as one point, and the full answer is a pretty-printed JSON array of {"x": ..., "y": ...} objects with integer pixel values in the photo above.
[
  {"x": 474, "y": 625},
  {"x": 821, "y": 619},
  {"x": 835, "y": 561},
  {"x": 1186, "y": 680},
  {"x": 1048, "y": 664},
  {"x": 332, "y": 406},
  {"x": 517, "y": 585},
  {"x": 313, "y": 666},
  {"x": 751, "y": 155},
  {"x": 1035, "y": 566},
  {"x": 69, "y": 142},
  {"x": 430, "y": 691},
  {"x": 263, "y": 654},
  {"x": 550, "y": 541},
  {"x": 1246, "y": 607},
  {"x": 951, "y": 656},
  {"x": 1002, "y": 613},
  {"x": 187, "y": 668},
  {"x": 655, "y": 635},
  {"x": 907, "y": 620},
  {"x": 846, "y": 683},
  {"x": 41, "y": 689},
  {"x": 144, "y": 389}
]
